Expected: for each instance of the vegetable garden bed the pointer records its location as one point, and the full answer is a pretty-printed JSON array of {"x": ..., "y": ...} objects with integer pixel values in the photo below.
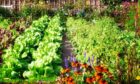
[{"x": 68, "y": 50}]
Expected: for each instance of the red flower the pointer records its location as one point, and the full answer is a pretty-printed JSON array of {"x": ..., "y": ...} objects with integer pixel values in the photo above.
[
  {"x": 102, "y": 82},
  {"x": 98, "y": 76},
  {"x": 75, "y": 64},
  {"x": 93, "y": 78},
  {"x": 89, "y": 80},
  {"x": 84, "y": 65},
  {"x": 78, "y": 73},
  {"x": 72, "y": 82},
  {"x": 105, "y": 70},
  {"x": 67, "y": 70},
  {"x": 68, "y": 79},
  {"x": 99, "y": 68}
]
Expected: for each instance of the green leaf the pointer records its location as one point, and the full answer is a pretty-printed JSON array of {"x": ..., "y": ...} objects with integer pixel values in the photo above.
[
  {"x": 28, "y": 74},
  {"x": 24, "y": 55}
]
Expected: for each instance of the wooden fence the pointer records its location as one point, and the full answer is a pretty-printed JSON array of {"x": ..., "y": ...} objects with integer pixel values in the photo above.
[
  {"x": 52, "y": 4},
  {"x": 11, "y": 4},
  {"x": 61, "y": 3}
]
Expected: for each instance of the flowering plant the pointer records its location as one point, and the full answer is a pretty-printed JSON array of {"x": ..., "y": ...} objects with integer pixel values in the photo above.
[{"x": 76, "y": 72}]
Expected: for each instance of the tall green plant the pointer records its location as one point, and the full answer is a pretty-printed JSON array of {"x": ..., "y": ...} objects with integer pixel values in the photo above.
[{"x": 104, "y": 41}]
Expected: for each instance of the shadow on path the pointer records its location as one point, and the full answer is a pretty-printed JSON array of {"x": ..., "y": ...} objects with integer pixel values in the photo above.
[{"x": 66, "y": 49}]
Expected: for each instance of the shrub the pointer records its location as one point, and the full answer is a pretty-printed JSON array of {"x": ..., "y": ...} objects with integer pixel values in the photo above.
[
  {"x": 5, "y": 12},
  {"x": 26, "y": 10},
  {"x": 35, "y": 10}
]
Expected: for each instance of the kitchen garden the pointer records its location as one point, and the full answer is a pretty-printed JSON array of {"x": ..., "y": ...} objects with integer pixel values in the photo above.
[{"x": 105, "y": 45}]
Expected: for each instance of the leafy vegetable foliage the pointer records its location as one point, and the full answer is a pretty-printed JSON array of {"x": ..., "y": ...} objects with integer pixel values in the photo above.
[
  {"x": 103, "y": 40},
  {"x": 47, "y": 61},
  {"x": 4, "y": 23},
  {"x": 18, "y": 56},
  {"x": 35, "y": 54}
]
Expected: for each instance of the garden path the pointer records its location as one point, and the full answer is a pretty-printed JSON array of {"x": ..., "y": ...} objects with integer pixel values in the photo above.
[{"x": 66, "y": 49}]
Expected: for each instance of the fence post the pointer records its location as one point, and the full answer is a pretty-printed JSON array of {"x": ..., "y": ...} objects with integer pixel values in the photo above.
[
  {"x": 84, "y": 4},
  {"x": 59, "y": 3},
  {"x": 99, "y": 6},
  {"x": 9, "y": 2},
  {"x": 19, "y": 4},
  {"x": 4, "y": 3},
  {"x": 95, "y": 4},
  {"x": 54, "y": 4},
  {"x": 90, "y": 3}
]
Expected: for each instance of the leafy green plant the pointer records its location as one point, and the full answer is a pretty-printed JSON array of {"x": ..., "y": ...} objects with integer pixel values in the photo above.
[
  {"x": 105, "y": 41},
  {"x": 36, "y": 10},
  {"x": 35, "y": 54},
  {"x": 25, "y": 10},
  {"x": 46, "y": 59},
  {"x": 11, "y": 31},
  {"x": 111, "y": 3},
  {"x": 18, "y": 56},
  {"x": 5, "y": 38},
  {"x": 4, "y": 23}
]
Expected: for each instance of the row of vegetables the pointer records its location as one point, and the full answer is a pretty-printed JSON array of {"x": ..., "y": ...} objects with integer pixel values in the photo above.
[
  {"x": 35, "y": 53},
  {"x": 9, "y": 31},
  {"x": 4, "y": 23},
  {"x": 104, "y": 53},
  {"x": 101, "y": 42},
  {"x": 47, "y": 57}
]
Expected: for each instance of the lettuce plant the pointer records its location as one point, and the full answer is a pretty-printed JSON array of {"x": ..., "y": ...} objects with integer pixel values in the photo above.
[
  {"x": 46, "y": 62},
  {"x": 17, "y": 57}
]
